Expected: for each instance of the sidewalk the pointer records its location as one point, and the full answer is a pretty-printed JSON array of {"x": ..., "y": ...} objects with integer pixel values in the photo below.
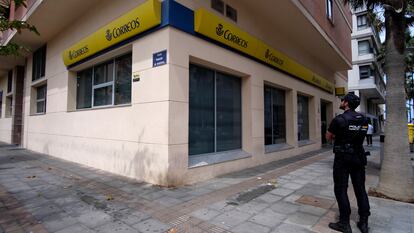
[{"x": 39, "y": 193}]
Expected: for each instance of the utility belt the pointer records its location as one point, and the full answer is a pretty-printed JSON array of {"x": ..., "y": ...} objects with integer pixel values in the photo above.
[{"x": 347, "y": 148}]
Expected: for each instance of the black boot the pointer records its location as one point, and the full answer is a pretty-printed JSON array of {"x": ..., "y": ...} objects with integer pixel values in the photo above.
[
  {"x": 341, "y": 226},
  {"x": 363, "y": 225}
]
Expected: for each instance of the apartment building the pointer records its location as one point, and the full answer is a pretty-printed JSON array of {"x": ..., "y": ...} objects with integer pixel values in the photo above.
[
  {"x": 366, "y": 78},
  {"x": 174, "y": 92}
]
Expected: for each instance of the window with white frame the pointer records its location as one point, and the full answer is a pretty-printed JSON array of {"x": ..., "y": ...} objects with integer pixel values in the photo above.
[
  {"x": 365, "y": 72},
  {"x": 41, "y": 93},
  {"x": 329, "y": 9},
  {"x": 362, "y": 21},
  {"x": 105, "y": 84},
  {"x": 364, "y": 47}
]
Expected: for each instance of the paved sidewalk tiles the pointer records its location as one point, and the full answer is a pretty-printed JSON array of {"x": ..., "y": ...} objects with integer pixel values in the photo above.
[{"x": 39, "y": 193}]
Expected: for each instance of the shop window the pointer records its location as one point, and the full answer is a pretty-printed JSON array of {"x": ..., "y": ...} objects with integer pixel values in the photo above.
[
  {"x": 275, "y": 115},
  {"x": 364, "y": 47},
  {"x": 105, "y": 84},
  {"x": 303, "y": 118},
  {"x": 231, "y": 13},
  {"x": 329, "y": 9},
  {"x": 123, "y": 69},
  {"x": 218, "y": 5},
  {"x": 362, "y": 22},
  {"x": 41, "y": 93},
  {"x": 10, "y": 82},
  {"x": 214, "y": 111},
  {"x": 365, "y": 72},
  {"x": 39, "y": 63}
]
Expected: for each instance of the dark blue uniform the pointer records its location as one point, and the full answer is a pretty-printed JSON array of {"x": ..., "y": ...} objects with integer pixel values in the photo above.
[{"x": 350, "y": 129}]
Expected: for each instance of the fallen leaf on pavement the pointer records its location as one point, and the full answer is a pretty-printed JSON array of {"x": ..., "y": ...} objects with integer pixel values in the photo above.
[
  {"x": 31, "y": 177},
  {"x": 109, "y": 197},
  {"x": 273, "y": 182},
  {"x": 172, "y": 230}
]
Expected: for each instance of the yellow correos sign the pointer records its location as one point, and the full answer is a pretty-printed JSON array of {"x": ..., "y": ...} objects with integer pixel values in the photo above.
[
  {"x": 340, "y": 91},
  {"x": 135, "y": 21},
  {"x": 215, "y": 28}
]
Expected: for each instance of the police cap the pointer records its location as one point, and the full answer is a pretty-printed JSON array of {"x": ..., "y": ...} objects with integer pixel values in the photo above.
[{"x": 352, "y": 99}]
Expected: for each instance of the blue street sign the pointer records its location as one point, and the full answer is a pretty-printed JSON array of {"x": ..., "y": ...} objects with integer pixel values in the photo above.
[{"x": 159, "y": 58}]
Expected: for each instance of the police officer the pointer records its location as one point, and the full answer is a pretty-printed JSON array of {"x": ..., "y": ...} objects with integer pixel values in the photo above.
[{"x": 349, "y": 130}]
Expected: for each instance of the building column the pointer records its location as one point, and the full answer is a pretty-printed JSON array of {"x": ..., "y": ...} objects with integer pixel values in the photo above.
[{"x": 17, "y": 114}]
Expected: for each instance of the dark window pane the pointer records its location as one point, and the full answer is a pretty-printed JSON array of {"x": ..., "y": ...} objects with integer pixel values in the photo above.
[
  {"x": 41, "y": 92},
  {"x": 103, "y": 73},
  {"x": 84, "y": 89},
  {"x": 231, "y": 13},
  {"x": 303, "y": 118},
  {"x": 268, "y": 115},
  {"x": 123, "y": 68},
  {"x": 41, "y": 99},
  {"x": 39, "y": 63},
  {"x": 278, "y": 116},
  {"x": 10, "y": 81},
  {"x": 43, "y": 65},
  {"x": 41, "y": 106},
  {"x": 364, "y": 47},
  {"x": 364, "y": 72},
  {"x": 102, "y": 96},
  {"x": 361, "y": 21},
  {"x": 228, "y": 112},
  {"x": 201, "y": 111},
  {"x": 218, "y": 5}
]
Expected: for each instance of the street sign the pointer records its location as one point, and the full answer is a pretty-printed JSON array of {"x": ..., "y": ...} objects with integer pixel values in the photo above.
[{"x": 159, "y": 58}]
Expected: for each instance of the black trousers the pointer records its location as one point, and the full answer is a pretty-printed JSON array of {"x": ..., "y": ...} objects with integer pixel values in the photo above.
[
  {"x": 369, "y": 139},
  {"x": 346, "y": 165}
]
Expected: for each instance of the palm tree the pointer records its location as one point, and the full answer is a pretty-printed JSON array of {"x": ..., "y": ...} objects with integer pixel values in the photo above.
[{"x": 396, "y": 175}]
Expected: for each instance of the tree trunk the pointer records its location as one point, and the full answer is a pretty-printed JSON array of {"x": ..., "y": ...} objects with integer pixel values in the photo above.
[{"x": 396, "y": 175}]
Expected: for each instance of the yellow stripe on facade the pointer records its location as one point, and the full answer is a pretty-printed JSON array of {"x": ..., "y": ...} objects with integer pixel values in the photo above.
[
  {"x": 214, "y": 27},
  {"x": 140, "y": 19}
]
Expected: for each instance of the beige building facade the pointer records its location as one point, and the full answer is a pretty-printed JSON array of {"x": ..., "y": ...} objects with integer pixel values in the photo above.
[{"x": 174, "y": 92}]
